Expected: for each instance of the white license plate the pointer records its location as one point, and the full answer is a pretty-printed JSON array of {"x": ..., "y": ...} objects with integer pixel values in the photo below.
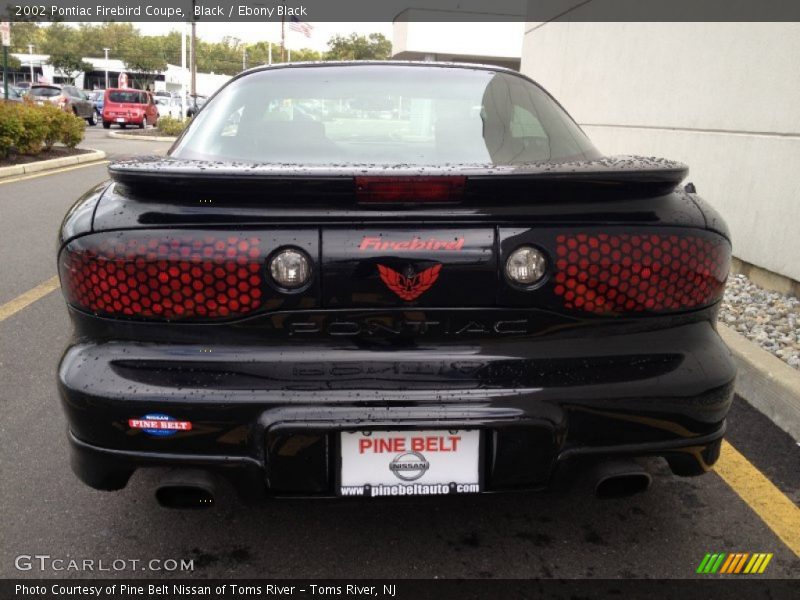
[
  {"x": 409, "y": 463},
  {"x": 120, "y": 120}
]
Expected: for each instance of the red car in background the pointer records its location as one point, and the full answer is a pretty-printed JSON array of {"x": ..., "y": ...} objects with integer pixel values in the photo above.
[{"x": 129, "y": 107}]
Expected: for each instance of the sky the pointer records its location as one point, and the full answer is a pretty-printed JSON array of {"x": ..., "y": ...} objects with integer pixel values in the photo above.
[{"x": 257, "y": 32}]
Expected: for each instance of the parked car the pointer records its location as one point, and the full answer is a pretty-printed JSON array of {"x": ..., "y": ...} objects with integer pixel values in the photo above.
[
  {"x": 13, "y": 94},
  {"x": 194, "y": 104},
  {"x": 23, "y": 87},
  {"x": 129, "y": 107},
  {"x": 168, "y": 106},
  {"x": 97, "y": 96},
  {"x": 467, "y": 301},
  {"x": 66, "y": 97}
]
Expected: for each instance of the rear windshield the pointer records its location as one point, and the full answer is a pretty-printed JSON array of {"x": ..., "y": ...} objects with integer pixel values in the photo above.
[
  {"x": 45, "y": 92},
  {"x": 400, "y": 115},
  {"x": 127, "y": 97}
]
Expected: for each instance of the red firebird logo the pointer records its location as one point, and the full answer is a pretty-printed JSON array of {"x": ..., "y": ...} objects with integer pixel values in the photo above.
[{"x": 409, "y": 286}]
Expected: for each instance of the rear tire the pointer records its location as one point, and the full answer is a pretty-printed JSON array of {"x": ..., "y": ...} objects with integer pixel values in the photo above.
[
  {"x": 143, "y": 124},
  {"x": 106, "y": 125},
  {"x": 92, "y": 120}
]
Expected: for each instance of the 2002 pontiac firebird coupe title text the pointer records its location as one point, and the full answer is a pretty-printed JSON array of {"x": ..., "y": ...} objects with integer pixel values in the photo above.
[{"x": 376, "y": 279}]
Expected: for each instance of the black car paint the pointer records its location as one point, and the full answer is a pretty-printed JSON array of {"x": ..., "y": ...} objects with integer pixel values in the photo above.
[{"x": 268, "y": 393}]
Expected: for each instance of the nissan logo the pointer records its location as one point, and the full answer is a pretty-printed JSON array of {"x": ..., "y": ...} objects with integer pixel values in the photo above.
[{"x": 409, "y": 466}]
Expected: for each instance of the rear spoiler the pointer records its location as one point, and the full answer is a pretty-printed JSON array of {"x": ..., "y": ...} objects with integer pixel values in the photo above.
[{"x": 156, "y": 174}]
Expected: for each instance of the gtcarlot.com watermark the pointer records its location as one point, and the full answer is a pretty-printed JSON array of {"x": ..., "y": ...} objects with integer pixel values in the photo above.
[{"x": 46, "y": 562}]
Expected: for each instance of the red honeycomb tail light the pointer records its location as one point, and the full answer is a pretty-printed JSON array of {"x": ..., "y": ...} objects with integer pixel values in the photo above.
[
  {"x": 607, "y": 273},
  {"x": 162, "y": 276}
]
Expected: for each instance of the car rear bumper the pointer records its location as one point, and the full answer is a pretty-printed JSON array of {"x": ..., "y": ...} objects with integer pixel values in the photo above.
[
  {"x": 123, "y": 120},
  {"x": 269, "y": 418}
]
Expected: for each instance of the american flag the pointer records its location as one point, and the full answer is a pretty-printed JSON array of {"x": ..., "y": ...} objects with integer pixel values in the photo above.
[{"x": 300, "y": 27}]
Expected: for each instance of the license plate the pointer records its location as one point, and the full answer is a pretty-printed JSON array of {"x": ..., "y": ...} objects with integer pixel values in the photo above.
[
  {"x": 120, "y": 120},
  {"x": 409, "y": 463}
]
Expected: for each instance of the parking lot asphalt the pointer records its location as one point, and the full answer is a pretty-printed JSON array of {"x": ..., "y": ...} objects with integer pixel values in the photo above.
[{"x": 45, "y": 510}]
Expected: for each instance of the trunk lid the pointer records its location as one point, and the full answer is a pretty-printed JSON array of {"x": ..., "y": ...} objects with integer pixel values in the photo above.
[{"x": 391, "y": 266}]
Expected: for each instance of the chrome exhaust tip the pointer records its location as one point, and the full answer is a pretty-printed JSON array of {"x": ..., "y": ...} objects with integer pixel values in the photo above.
[
  {"x": 620, "y": 479},
  {"x": 190, "y": 489}
]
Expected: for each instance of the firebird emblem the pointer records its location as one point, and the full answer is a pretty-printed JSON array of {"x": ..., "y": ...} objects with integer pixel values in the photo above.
[{"x": 409, "y": 286}]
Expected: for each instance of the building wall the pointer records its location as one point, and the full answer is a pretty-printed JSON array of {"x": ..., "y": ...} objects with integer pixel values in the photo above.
[
  {"x": 722, "y": 97},
  {"x": 480, "y": 39}
]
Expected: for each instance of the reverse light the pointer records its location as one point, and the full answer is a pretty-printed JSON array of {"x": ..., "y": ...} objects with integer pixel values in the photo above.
[
  {"x": 290, "y": 269},
  {"x": 526, "y": 266}
]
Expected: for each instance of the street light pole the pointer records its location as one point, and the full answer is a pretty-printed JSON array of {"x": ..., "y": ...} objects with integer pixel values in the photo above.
[
  {"x": 193, "y": 61},
  {"x": 106, "y": 51},
  {"x": 193, "y": 56},
  {"x": 30, "y": 60},
  {"x": 5, "y": 30}
]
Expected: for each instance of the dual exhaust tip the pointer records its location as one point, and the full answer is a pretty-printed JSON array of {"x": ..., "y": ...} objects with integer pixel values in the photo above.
[{"x": 194, "y": 489}]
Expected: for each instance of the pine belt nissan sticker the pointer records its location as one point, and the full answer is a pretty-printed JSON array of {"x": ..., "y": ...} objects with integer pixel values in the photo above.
[{"x": 159, "y": 425}]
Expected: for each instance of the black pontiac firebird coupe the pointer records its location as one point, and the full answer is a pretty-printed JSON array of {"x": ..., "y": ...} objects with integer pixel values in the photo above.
[{"x": 382, "y": 279}]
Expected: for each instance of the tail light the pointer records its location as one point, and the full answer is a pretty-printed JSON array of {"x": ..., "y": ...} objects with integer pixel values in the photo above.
[
  {"x": 377, "y": 190},
  {"x": 174, "y": 276},
  {"x": 615, "y": 273}
]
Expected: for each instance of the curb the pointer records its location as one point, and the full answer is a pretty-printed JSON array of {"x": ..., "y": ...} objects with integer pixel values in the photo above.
[
  {"x": 142, "y": 138},
  {"x": 54, "y": 163},
  {"x": 766, "y": 382}
]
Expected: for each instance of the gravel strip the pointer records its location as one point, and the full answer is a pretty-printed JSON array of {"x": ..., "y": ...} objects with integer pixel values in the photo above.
[{"x": 770, "y": 319}]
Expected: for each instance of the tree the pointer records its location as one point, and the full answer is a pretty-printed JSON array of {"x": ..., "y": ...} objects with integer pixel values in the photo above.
[
  {"x": 144, "y": 57},
  {"x": 63, "y": 44},
  {"x": 304, "y": 55},
  {"x": 114, "y": 36},
  {"x": 24, "y": 33},
  {"x": 69, "y": 65},
  {"x": 14, "y": 64},
  {"x": 220, "y": 57},
  {"x": 171, "y": 47},
  {"x": 375, "y": 46}
]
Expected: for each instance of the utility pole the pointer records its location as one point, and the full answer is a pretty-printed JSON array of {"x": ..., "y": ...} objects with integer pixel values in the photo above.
[
  {"x": 283, "y": 35},
  {"x": 106, "y": 51},
  {"x": 269, "y": 56},
  {"x": 30, "y": 60},
  {"x": 244, "y": 57},
  {"x": 193, "y": 63},
  {"x": 183, "y": 71}
]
